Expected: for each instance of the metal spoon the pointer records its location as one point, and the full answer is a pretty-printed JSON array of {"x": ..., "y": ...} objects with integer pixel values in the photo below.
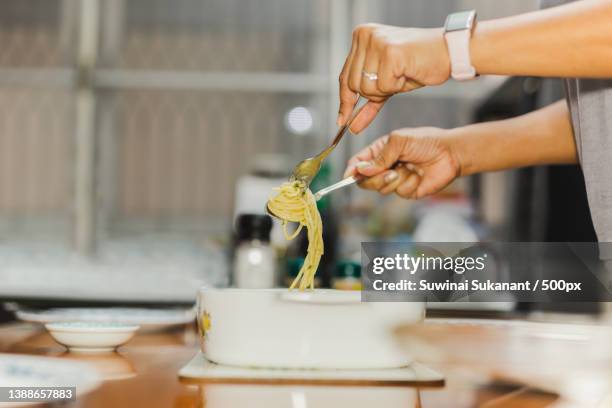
[{"x": 307, "y": 169}]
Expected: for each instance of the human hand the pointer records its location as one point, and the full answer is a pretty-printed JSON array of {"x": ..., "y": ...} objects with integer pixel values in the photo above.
[
  {"x": 411, "y": 162},
  {"x": 402, "y": 59}
]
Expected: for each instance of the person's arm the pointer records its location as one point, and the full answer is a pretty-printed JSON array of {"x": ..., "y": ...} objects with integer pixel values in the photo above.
[
  {"x": 414, "y": 163},
  {"x": 541, "y": 137},
  {"x": 573, "y": 40}
]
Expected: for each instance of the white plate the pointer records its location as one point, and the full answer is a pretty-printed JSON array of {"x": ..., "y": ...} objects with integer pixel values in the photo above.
[
  {"x": 199, "y": 368},
  {"x": 146, "y": 318},
  {"x": 237, "y": 387},
  {"x": 31, "y": 371},
  {"x": 91, "y": 337}
]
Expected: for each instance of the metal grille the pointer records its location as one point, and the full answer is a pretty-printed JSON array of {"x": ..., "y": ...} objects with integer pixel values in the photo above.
[
  {"x": 36, "y": 116},
  {"x": 35, "y": 150},
  {"x": 36, "y": 33},
  {"x": 179, "y": 153},
  {"x": 215, "y": 35}
]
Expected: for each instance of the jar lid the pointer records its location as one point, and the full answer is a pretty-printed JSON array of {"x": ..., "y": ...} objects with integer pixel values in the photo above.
[
  {"x": 348, "y": 269},
  {"x": 254, "y": 226}
]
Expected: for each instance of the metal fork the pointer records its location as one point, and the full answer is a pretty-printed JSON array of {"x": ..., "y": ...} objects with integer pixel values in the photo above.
[
  {"x": 342, "y": 183},
  {"x": 325, "y": 191}
]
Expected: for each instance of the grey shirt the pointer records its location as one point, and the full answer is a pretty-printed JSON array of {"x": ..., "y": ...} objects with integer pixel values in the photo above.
[{"x": 590, "y": 103}]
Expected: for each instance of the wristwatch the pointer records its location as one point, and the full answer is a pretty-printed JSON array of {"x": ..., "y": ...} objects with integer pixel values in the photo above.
[{"x": 457, "y": 32}]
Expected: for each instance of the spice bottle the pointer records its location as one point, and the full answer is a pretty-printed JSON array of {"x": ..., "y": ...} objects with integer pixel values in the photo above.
[{"x": 254, "y": 260}]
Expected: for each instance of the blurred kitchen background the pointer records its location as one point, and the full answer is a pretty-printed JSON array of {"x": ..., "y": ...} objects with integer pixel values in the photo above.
[{"x": 134, "y": 132}]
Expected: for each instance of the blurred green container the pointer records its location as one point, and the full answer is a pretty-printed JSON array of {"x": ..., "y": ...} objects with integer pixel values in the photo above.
[{"x": 347, "y": 275}]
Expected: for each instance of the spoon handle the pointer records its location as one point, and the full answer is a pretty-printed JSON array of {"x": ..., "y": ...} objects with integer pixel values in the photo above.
[
  {"x": 359, "y": 104},
  {"x": 342, "y": 183}
]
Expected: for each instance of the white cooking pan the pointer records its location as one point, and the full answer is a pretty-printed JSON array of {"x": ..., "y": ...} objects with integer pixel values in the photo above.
[{"x": 326, "y": 329}]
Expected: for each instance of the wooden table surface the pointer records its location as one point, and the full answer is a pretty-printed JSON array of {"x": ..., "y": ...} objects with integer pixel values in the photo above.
[{"x": 145, "y": 375}]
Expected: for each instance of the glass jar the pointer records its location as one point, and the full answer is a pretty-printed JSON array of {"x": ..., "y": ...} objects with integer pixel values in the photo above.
[{"x": 254, "y": 259}]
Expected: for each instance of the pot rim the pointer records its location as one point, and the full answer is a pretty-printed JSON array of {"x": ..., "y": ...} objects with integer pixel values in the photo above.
[
  {"x": 317, "y": 296},
  {"x": 205, "y": 289}
]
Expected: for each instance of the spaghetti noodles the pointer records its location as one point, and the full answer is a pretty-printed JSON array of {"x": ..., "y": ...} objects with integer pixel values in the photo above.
[{"x": 296, "y": 203}]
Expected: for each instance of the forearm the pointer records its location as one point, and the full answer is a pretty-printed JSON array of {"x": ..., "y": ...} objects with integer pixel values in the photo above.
[
  {"x": 573, "y": 40},
  {"x": 541, "y": 137}
]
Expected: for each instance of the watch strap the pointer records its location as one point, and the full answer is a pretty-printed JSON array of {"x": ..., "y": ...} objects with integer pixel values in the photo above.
[
  {"x": 458, "y": 44},
  {"x": 458, "y": 32}
]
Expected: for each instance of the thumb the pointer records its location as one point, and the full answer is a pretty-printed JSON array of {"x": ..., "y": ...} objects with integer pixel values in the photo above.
[{"x": 387, "y": 157}]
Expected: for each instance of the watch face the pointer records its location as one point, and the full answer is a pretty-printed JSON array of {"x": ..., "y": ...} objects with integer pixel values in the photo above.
[{"x": 460, "y": 21}]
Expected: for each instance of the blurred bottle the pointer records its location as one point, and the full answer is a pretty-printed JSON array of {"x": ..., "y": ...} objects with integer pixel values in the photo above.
[
  {"x": 254, "y": 258},
  {"x": 266, "y": 171}
]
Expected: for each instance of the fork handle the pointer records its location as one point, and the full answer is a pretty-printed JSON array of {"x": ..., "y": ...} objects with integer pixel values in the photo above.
[{"x": 342, "y": 183}]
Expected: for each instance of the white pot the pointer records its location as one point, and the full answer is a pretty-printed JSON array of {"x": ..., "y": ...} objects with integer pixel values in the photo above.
[{"x": 328, "y": 329}]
